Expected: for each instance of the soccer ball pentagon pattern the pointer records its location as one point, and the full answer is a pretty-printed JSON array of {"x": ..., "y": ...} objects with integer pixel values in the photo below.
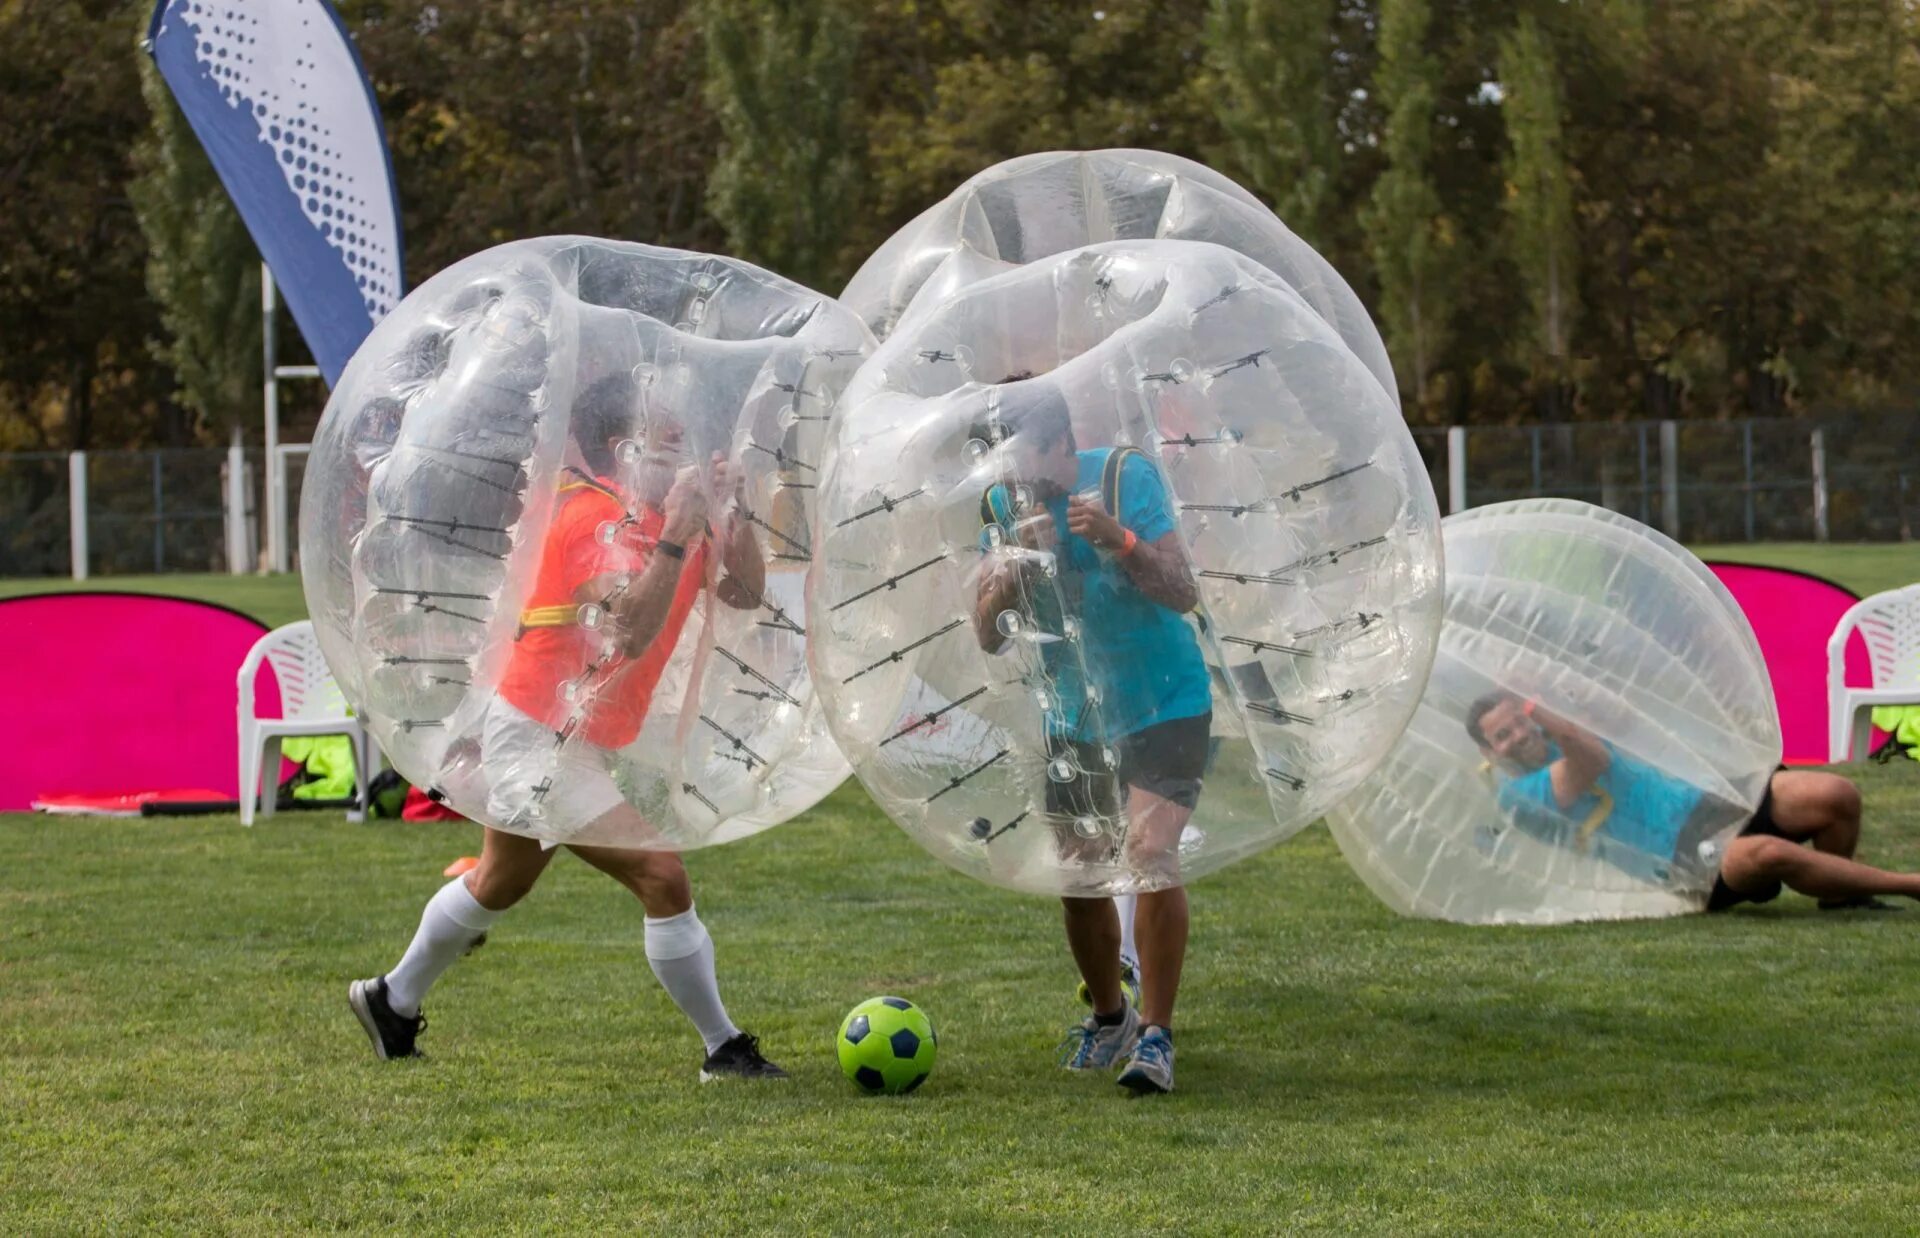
[{"x": 887, "y": 1046}]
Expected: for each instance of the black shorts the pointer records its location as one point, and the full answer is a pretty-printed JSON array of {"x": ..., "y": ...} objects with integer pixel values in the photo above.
[
  {"x": 1762, "y": 822},
  {"x": 1167, "y": 759}
]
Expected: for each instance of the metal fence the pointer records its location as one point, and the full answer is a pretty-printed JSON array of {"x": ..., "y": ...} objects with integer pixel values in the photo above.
[
  {"x": 114, "y": 513},
  {"x": 1842, "y": 479}
]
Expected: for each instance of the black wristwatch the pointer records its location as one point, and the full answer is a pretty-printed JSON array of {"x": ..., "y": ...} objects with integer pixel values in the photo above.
[{"x": 671, "y": 549}]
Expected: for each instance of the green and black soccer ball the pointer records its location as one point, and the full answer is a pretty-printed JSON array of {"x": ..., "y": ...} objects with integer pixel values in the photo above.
[{"x": 887, "y": 1046}]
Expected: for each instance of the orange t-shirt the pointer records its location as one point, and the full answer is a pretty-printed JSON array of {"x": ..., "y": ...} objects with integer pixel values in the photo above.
[{"x": 548, "y": 655}]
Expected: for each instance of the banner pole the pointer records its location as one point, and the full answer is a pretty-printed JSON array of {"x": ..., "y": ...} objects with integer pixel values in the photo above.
[{"x": 270, "y": 362}]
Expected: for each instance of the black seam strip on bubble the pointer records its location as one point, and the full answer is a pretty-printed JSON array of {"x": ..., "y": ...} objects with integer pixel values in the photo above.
[
  {"x": 901, "y": 652},
  {"x": 1278, "y": 714},
  {"x": 1262, "y": 646},
  {"x": 1295, "y": 492},
  {"x": 1290, "y": 781},
  {"x": 969, "y": 774},
  {"x": 1362, "y": 620},
  {"x": 694, "y": 791},
  {"x": 430, "y": 609},
  {"x": 451, "y": 526},
  {"x": 736, "y": 741},
  {"x": 748, "y": 670},
  {"x": 781, "y": 620},
  {"x": 464, "y": 455},
  {"x": 1245, "y": 578},
  {"x": 890, "y": 582},
  {"x": 885, "y": 505},
  {"x": 1217, "y": 298},
  {"x": 781, "y": 457},
  {"x": 1003, "y": 829},
  {"x": 482, "y": 478},
  {"x": 1234, "y": 509},
  {"x": 1239, "y": 363},
  {"x": 424, "y": 594},
  {"x": 1329, "y": 556},
  {"x": 410, "y": 725},
  {"x": 753, "y": 518},
  {"x": 931, "y": 718}
]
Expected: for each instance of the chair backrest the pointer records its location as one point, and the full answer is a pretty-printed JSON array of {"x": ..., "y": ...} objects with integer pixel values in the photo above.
[
  {"x": 307, "y": 686},
  {"x": 1889, "y": 624}
]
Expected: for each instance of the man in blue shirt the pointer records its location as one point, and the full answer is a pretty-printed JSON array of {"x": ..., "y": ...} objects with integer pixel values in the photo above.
[
  {"x": 1566, "y": 786},
  {"x": 1126, "y": 696}
]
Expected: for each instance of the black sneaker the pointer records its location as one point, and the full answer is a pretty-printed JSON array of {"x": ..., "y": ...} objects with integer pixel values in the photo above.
[
  {"x": 739, "y": 1058},
  {"x": 392, "y": 1034}
]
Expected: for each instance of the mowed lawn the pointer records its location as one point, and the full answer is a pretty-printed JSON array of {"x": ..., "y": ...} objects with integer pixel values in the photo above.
[{"x": 176, "y": 1049}]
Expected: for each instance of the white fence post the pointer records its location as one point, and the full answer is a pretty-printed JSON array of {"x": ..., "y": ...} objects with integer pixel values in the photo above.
[
  {"x": 1820, "y": 485},
  {"x": 1456, "y": 469},
  {"x": 77, "y": 511},
  {"x": 1670, "y": 479},
  {"x": 238, "y": 561}
]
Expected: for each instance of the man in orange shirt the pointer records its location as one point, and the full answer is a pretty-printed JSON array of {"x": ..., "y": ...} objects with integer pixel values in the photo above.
[{"x": 624, "y": 562}]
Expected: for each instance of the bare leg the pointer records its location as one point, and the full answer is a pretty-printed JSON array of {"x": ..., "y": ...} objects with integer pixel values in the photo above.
[
  {"x": 1161, "y": 922},
  {"x": 1093, "y": 934},
  {"x": 1823, "y": 809},
  {"x": 679, "y": 949},
  {"x": 1162, "y": 930},
  {"x": 657, "y": 878},
  {"x": 509, "y": 865},
  {"x": 1754, "y": 862}
]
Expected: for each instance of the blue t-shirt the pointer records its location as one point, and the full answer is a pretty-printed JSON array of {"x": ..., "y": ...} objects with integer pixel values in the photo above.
[
  {"x": 1641, "y": 811},
  {"x": 1143, "y": 658}
]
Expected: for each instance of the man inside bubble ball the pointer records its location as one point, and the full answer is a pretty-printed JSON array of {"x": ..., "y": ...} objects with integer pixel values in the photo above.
[
  {"x": 1565, "y": 784},
  {"x": 630, "y": 537},
  {"x": 1126, "y": 693}
]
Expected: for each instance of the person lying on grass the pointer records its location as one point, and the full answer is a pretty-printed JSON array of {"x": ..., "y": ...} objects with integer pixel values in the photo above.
[{"x": 1559, "y": 780}]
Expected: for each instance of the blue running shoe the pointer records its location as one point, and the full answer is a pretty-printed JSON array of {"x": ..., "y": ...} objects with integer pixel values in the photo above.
[
  {"x": 1090, "y": 1046},
  {"x": 1151, "y": 1067}
]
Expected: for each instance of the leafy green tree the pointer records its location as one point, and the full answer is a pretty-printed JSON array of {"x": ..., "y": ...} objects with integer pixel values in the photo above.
[
  {"x": 1544, "y": 243},
  {"x": 73, "y": 311},
  {"x": 1273, "y": 71},
  {"x": 778, "y": 78},
  {"x": 202, "y": 270},
  {"x": 1412, "y": 240}
]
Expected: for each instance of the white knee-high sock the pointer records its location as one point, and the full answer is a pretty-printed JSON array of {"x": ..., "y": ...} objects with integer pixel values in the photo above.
[
  {"x": 1123, "y": 903},
  {"x": 680, "y": 951},
  {"x": 449, "y": 925}
]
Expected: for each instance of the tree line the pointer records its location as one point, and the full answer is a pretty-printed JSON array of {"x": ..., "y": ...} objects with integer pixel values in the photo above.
[{"x": 1555, "y": 209}]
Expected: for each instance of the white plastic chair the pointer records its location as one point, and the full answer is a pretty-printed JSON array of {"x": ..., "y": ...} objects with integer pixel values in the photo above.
[
  {"x": 310, "y": 704},
  {"x": 1890, "y": 624}
]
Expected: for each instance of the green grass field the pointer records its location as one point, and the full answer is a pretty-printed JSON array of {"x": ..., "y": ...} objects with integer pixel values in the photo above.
[{"x": 176, "y": 1050}]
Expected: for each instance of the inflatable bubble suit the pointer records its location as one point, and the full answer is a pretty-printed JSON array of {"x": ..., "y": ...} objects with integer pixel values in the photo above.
[
  {"x": 1598, "y": 725},
  {"x": 1039, "y": 205},
  {"x": 488, "y": 539},
  {"x": 1038, "y": 701}
]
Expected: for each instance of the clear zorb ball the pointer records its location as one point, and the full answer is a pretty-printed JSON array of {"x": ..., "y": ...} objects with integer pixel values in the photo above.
[
  {"x": 1126, "y": 568},
  {"x": 554, "y": 534},
  {"x": 1036, "y": 206},
  {"x": 1598, "y": 726}
]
